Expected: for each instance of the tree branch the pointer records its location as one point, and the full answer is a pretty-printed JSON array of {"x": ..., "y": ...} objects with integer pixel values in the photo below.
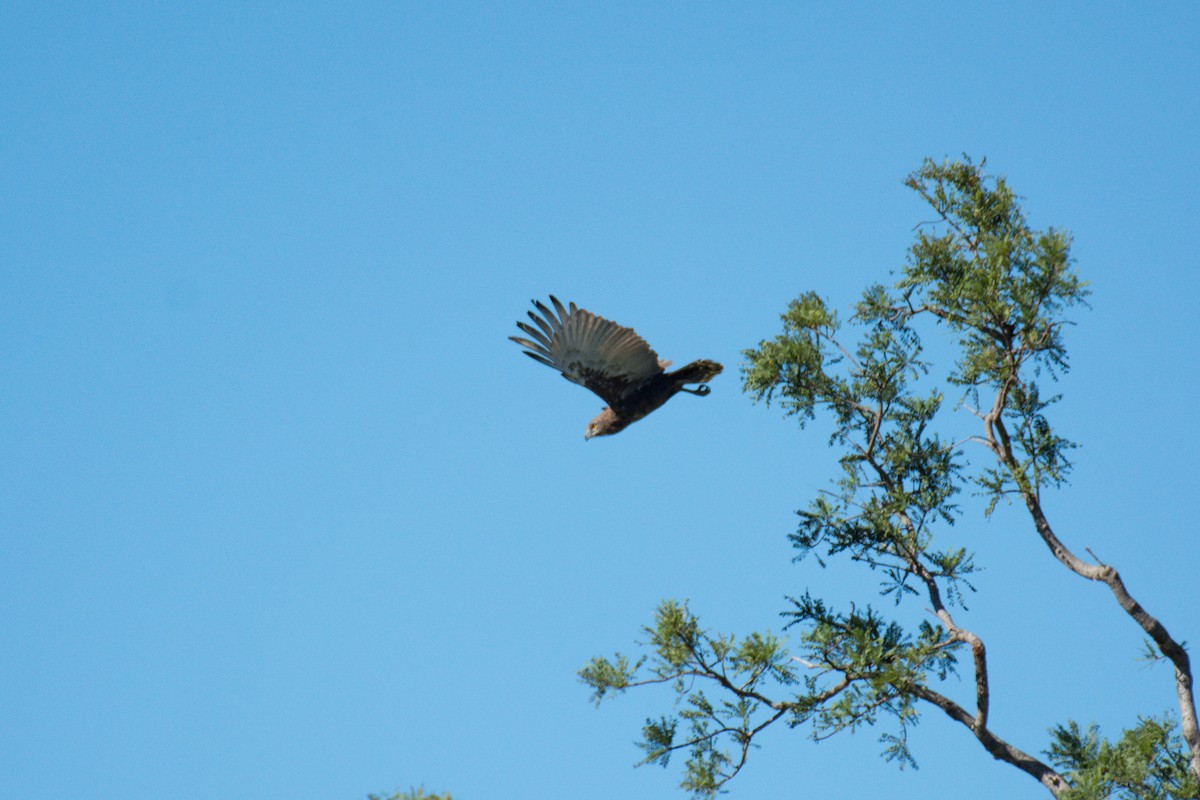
[
  {"x": 1190, "y": 727},
  {"x": 999, "y": 748}
]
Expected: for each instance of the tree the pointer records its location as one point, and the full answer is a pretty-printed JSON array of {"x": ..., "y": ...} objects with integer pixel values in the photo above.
[{"x": 1002, "y": 289}]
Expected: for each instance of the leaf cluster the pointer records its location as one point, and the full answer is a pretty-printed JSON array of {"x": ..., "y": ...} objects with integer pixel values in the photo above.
[
  {"x": 1004, "y": 289},
  {"x": 417, "y": 793},
  {"x": 1148, "y": 762},
  {"x": 874, "y": 664},
  {"x": 717, "y": 734}
]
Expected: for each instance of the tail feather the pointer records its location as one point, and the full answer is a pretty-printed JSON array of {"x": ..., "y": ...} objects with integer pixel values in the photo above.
[{"x": 697, "y": 372}]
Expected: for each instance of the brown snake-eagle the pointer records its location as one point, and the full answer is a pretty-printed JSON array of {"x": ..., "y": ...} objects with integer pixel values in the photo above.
[{"x": 611, "y": 360}]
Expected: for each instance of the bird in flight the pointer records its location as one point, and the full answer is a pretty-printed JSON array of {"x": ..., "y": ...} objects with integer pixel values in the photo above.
[{"x": 611, "y": 360}]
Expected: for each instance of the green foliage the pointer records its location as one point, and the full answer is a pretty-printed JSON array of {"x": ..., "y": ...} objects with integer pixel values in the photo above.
[
  {"x": 980, "y": 272},
  {"x": 1148, "y": 762},
  {"x": 875, "y": 662},
  {"x": 716, "y": 734},
  {"x": 1003, "y": 288},
  {"x": 412, "y": 794}
]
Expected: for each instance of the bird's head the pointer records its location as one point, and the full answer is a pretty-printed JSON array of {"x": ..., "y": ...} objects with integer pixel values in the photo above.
[{"x": 606, "y": 423}]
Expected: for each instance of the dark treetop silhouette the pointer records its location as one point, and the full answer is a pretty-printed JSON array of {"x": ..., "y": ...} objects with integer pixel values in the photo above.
[{"x": 611, "y": 360}]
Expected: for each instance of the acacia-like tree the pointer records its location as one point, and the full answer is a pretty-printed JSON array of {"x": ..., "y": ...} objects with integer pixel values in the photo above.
[{"x": 1003, "y": 290}]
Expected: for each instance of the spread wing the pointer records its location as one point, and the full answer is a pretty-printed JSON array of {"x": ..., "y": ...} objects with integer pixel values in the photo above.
[{"x": 611, "y": 360}]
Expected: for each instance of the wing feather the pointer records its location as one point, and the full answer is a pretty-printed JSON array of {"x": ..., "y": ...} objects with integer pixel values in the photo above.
[
  {"x": 535, "y": 333},
  {"x": 590, "y": 335},
  {"x": 537, "y": 348},
  {"x": 609, "y": 359},
  {"x": 545, "y": 361},
  {"x": 563, "y": 314},
  {"x": 541, "y": 323},
  {"x": 549, "y": 315}
]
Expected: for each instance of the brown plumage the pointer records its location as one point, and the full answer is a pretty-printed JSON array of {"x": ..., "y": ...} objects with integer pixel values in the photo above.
[{"x": 611, "y": 360}]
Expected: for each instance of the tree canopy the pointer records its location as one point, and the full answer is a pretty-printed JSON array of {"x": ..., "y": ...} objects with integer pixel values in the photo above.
[{"x": 1003, "y": 292}]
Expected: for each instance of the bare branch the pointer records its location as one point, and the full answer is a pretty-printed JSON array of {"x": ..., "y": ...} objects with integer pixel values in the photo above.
[{"x": 999, "y": 748}]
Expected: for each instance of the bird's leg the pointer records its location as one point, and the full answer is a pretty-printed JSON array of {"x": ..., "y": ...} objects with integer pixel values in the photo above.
[{"x": 699, "y": 391}]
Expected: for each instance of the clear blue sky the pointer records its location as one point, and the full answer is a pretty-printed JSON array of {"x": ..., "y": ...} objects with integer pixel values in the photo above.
[{"x": 284, "y": 515}]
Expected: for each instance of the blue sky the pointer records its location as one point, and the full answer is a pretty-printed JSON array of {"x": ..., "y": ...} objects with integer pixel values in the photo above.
[{"x": 284, "y": 515}]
